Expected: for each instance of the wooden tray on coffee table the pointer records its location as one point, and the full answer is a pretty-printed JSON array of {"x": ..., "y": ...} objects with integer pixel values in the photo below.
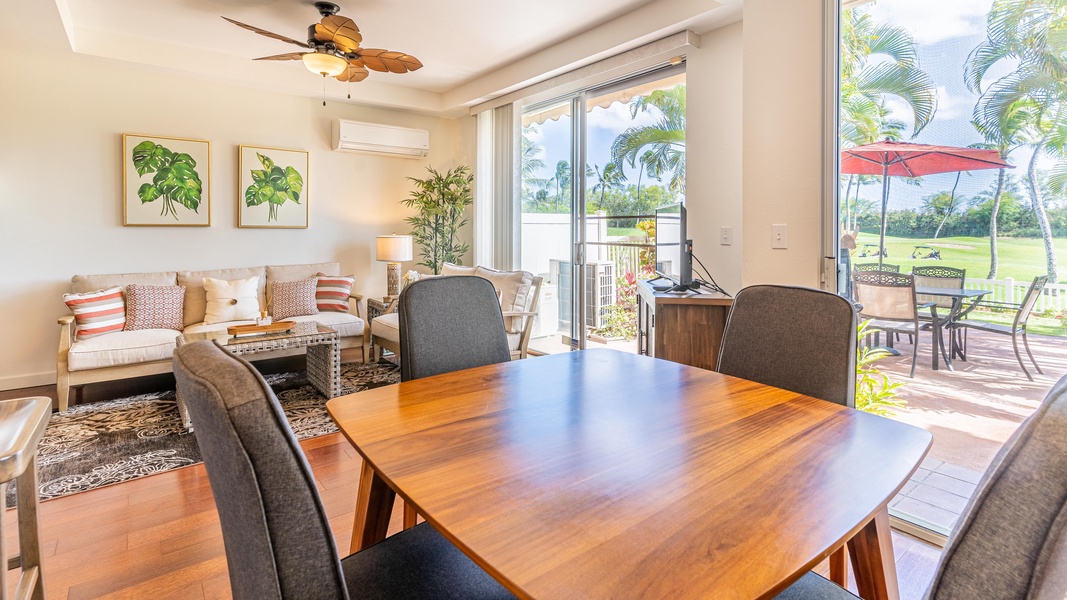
[{"x": 279, "y": 327}]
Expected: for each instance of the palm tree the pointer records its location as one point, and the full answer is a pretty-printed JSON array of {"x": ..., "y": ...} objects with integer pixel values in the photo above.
[
  {"x": 530, "y": 166},
  {"x": 1026, "y": 34},
  {"x": 562, "y": 180},
  {"x": 665, "y": 138}
]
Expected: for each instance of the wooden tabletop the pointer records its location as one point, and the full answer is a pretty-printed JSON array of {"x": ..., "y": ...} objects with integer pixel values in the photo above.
[{"x": 601, "y": 474}]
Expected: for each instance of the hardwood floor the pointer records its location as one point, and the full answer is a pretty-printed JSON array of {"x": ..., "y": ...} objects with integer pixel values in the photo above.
[{"x": 159, "y": 536}]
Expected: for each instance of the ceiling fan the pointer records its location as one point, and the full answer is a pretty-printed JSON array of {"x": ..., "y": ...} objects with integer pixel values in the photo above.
[{"x": 334, "y": 48}]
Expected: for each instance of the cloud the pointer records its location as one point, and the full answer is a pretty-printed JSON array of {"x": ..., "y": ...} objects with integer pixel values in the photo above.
[
  {"x": 950, "y": 106},
  {"x": 933, "y": 21},
  {"x": 616, "y": 117}
]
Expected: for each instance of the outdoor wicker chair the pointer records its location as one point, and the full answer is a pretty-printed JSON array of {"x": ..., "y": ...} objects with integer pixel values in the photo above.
[
  {"x": 888, "y": 299},
  {"x": 875, "y": 267},
  {"x": 1016, "y": 330}
]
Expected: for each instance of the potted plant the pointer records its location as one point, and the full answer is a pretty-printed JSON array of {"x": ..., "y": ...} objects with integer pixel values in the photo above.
[{"x": 441, "y": 201}]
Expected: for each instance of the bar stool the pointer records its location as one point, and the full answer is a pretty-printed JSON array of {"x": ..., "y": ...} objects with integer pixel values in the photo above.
[{"x": 22, "y": 423}]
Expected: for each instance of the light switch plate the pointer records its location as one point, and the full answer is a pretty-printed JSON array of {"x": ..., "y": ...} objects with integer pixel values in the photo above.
[
  {"x": 778, "y": 236},
  {"x": 726, "y": 236}
]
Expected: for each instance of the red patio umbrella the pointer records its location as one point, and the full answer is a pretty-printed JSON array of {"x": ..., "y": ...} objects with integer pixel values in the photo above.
[{"x": 904, "y": 159}]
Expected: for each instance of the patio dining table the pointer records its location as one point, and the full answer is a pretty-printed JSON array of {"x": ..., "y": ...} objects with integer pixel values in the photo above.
[{"x": 958, "y": 296}]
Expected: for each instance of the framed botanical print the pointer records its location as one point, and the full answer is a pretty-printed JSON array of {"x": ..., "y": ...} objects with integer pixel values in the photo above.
[
  {"x": 166, "y": 181},
  {"x": 272, "y": 188}
]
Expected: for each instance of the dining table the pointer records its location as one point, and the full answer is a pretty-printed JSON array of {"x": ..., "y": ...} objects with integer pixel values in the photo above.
[
  {"x": 603, "y": 474},
  {"x": 958, "y": 296}
]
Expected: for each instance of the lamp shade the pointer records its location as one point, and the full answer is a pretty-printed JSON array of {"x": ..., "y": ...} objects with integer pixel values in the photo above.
[
  {"x": 394, "y": 248},
  {"x": 324, "y": 63}
]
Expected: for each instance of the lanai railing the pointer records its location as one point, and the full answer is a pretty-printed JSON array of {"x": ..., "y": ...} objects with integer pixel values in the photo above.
[{"x": 1053, "y": 297}]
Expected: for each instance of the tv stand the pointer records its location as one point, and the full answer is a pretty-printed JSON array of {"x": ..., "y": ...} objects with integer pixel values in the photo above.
[{"x": 682, "y": 327}]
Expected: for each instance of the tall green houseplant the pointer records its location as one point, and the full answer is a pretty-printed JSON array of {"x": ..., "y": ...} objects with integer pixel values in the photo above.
[{"x": 441, "y": 201}]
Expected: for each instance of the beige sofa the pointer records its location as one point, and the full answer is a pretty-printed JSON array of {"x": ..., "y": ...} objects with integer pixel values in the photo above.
[{"x": 125, "y": 354}]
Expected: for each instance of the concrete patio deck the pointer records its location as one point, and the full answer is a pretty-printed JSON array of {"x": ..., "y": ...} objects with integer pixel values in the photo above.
[{"x": 971, "y": 412}]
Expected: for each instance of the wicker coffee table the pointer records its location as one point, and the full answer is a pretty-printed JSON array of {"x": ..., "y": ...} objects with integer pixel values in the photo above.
[{"x": 322, "y": 345}]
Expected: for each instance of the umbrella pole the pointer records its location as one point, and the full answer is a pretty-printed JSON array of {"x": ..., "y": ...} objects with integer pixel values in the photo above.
[{"x": 885, "y": 205}]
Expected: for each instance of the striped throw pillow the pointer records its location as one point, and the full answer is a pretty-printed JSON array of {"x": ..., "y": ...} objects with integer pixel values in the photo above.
[
  {"x": 97, "y": 313},
  {"x": 332, "y": 292}
]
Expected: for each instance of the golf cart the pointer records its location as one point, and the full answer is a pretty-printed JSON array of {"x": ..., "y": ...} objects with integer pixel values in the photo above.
[
  {"x": 926, "y": 252},
  {"x": 872, "y": 250}
]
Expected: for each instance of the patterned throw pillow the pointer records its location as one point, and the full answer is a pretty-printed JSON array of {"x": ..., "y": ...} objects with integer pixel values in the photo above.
[
  {"x": 332, "y": 292},
  {"x": 97, "y": 313},
  {"x": 154, "y": 306},
  {"x": 293, "y": 298},
  {"x": 236, "y": 300}
]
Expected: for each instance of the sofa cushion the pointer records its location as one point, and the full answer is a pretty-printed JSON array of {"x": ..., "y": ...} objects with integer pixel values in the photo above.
[
  {"x": 97, "y": 313},
  {"x": 196, "y": 296},
  {"x": 231, "y": 300},
  {"x": 154, "y": 306},
  {"x": 298, "y": 272},
  {"x": 333, "y": 291},
  {"x": 348, "y": 325},
  {"x": 386, "y": 326},
  {"x": 293, "y": 298},
  {"x": 514, "y": 288},
  {"x": 122, "y": 348},
  {"x": 79, "y": 284}
]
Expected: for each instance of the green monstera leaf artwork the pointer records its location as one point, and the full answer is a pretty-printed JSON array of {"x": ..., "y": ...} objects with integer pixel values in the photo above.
[
  {"x": 175, "y": 181},
  {"x": 273, "y": 185}
]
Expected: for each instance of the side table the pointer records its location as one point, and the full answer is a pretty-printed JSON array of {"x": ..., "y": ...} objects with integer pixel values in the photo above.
[{"x": 376, "y": 308}]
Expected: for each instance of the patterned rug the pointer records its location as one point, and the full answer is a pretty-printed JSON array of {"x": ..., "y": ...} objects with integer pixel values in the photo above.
[{"x": 101, "y": 443}]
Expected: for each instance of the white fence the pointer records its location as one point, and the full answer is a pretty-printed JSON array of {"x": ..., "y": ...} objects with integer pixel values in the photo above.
[{"x": 1053, "y": 297}]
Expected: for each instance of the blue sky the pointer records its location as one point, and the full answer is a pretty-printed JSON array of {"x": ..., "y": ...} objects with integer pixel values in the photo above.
[{"x": 945, "y": 32}]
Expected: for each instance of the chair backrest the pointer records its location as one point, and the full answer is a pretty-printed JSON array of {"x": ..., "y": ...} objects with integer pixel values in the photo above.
[
  {"x": 885, "y": 295},
  {"x": 798, "y": 339},
  {"x": 278, "y": 540},
  {"x": 1029, "y": 300},
  {"x": 938, "y": 277},
  {"x": 874, "y": 267},
  {"x": 1011, "y": 541},
  {"x": 448, "y": 324}
]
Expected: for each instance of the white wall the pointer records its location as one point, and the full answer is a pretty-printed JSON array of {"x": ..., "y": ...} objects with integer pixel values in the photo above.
[
  {"x": 60, "y": 172},
  {"x": 782, "y": 141},
  {"x": 713, "y": 151}
]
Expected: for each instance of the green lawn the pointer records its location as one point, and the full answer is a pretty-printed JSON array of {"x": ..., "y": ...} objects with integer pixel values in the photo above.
[
  {"x": 1021, "y": 259},
  {"x": 1036, "y": 325},
  {"x": 621, "y": 231}
]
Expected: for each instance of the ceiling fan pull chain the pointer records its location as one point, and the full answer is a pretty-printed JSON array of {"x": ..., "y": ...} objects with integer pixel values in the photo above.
[
  {"x": 324, "y": 89},
  {"x": 349, "y": 89}
]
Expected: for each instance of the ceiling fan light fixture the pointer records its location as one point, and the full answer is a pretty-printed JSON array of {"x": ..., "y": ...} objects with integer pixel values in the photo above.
[{"x": 323, "y": 63}]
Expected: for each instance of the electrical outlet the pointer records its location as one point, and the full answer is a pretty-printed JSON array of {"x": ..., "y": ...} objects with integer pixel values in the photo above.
[
  {"x": 778, "y": 237},
  {"x": 726, "y": 236}
]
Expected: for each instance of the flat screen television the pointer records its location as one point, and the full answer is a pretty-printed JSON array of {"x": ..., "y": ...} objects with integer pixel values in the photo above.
[{"x": 674, "y": 251}]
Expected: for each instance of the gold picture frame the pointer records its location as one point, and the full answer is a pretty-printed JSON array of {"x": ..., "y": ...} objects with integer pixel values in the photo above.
[
  {"x": 272, "y": 188},
  {"x": 166, "y": 181}
]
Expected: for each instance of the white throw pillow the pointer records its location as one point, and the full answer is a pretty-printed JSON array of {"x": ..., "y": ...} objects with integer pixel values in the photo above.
[{"x": 236, "y": 300}]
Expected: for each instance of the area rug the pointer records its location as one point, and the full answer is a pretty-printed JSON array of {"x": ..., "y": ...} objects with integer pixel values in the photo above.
[{"x": 101, "y": 443}]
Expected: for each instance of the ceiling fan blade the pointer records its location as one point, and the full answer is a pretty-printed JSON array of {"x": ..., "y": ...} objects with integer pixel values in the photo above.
[
  {"x": 290, "y": 56},
  {"x": 342, "y": 31},
  {"x": 378, "y": 59},
  {"x": 264, "y": 32},
  {"x": 354, "y": 73}
]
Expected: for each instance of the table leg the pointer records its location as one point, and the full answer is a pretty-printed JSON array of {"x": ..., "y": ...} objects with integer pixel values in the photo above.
[
  {"x": 839, "y": 567},
  {"x": 871, "y": 551},
  {"x": 374, "y": 504}
]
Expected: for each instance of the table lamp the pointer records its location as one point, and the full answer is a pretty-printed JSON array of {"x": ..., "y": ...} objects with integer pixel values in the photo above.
[{"x": 393, "y": 249}]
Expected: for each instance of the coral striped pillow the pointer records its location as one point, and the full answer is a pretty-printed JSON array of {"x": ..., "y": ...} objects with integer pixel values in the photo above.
[
  {"x": 97, "y": 313},
  {"x": 332, "y": 292}
]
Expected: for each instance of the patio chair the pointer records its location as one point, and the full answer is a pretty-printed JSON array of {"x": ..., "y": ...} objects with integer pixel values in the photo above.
[
  {"x": 1010, "y": 540},
  {"x": 1016, "y": 330},
  {"x": 278, "y": 539},
  {"x": 939, "y": 277},
  {"x": 888, "y": 299},
  {"x": 874, "y": 267}
]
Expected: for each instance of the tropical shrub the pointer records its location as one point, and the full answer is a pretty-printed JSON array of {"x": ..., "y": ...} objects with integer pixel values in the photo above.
[{"x": 875, "y": 392}]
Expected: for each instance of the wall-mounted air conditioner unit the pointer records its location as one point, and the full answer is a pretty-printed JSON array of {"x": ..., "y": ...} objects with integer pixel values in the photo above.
[{"x": 370, "y": 138}]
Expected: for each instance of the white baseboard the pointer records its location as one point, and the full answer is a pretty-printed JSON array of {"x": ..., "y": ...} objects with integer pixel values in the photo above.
[{"x": 25, "y": 381}]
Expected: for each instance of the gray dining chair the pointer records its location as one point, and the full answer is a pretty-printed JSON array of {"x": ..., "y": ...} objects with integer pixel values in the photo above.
[
  {"x": 1016, "y": 330},
  {"x": 449, "y": 324},
  {"x": 799, "y": 339},
  {"x": 888, "y": 300},
  {"x": 277, "y": 537},
  {"x": 1010, "y": 543}
]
